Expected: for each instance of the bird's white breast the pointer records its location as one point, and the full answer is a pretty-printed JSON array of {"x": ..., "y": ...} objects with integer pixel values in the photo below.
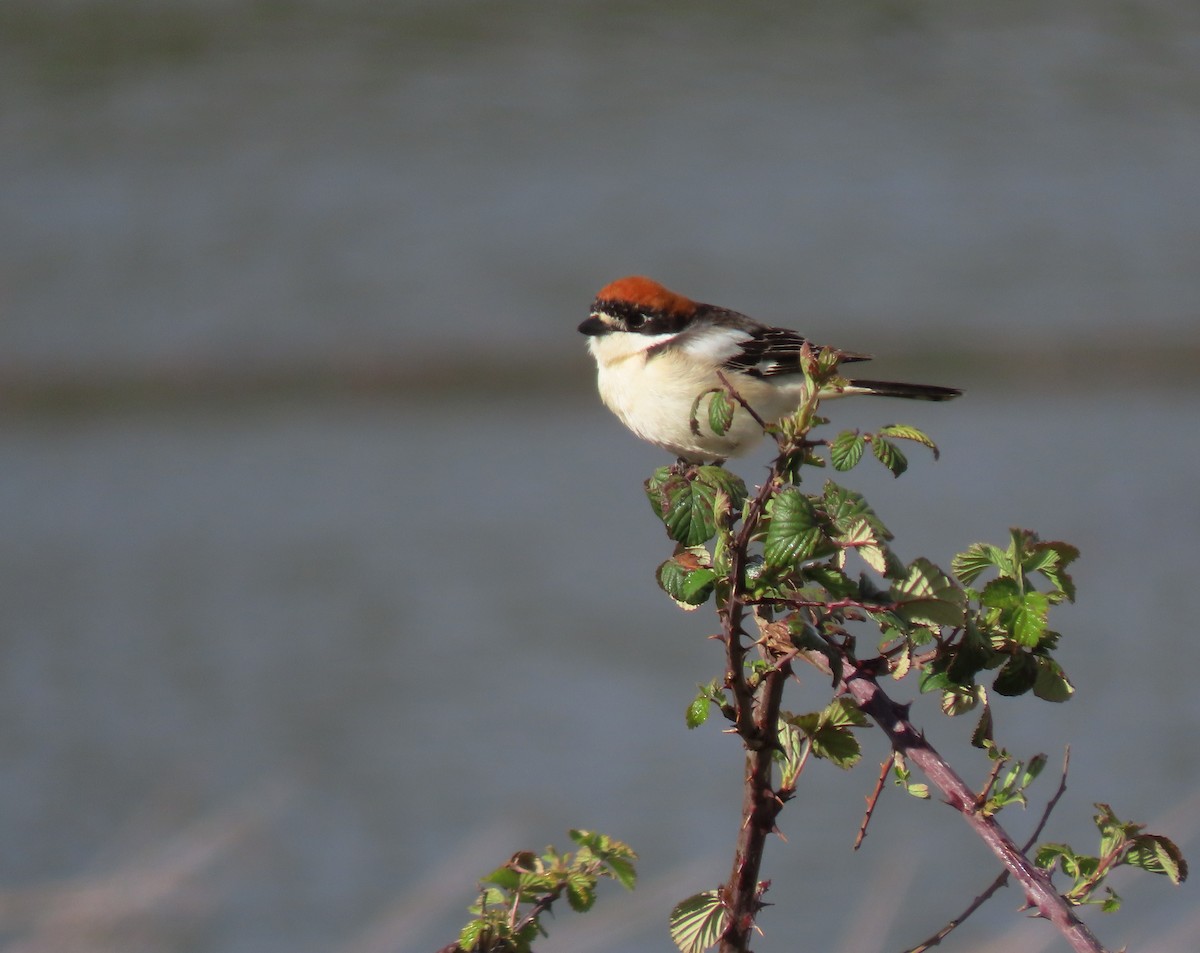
[{"x": 654, "y": 394}]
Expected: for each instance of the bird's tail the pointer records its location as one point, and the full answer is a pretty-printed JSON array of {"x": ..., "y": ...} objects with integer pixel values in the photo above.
[{"x": 896, "y": 389}]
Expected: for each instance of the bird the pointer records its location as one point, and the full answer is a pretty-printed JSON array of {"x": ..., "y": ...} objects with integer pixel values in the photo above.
[{"x": 657, "y": 351}]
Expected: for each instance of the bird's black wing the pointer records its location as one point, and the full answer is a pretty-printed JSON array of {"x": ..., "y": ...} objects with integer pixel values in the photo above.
[{"x": 771, "y": 352}]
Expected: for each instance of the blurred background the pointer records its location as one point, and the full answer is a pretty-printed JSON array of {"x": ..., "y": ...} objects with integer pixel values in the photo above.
[{"x": 326, "y": 582}]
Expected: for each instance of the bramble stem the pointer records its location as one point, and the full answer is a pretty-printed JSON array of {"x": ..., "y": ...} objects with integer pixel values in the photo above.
[{"x": 861, "y": 685}]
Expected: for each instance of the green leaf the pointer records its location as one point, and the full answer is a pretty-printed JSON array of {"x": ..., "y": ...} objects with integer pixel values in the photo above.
[
  {"x": 720, "y": 413},
  {"x": 504, "y": 877},
  {"x": 837, "y": 745},
  {"x": 829, "y": 731},
  {"x": 984, "y": 728},
  {"x": 686, "y": 500},
  {"x": 697, "y": 711},
  {"x": 732, "y": 485},
  {"x": 1158, "y": 855},
  {"x": 793, "y": 746},
  {"x": 846, "y": 450},
  {"x": 956, "y": 701},
  {"x": 860, "y": 537},
  {"x": 698, "y": 922},
  {"x": 1001, "y": 594},
  {"x": 793, "y": 532},
  {"x": 835, "y": 582},
  {"x": 471, "y": 934},
  {"x": 1027, "y": 621},
  {"x": 933, "y": 680},
  {"x": 581, "y": 891},
  {"x": 889, "y": 455},
  {"x": 1051, "y": 558},
  {"x": 842, "y": 712},
  {"x": 656, "y": 489},
  {"x": 969, "y": 657},
  {"x": 616, "y": 855},
  {"x": 1050, "y": 854},
  {"x": 1051, "y": 683},
  {"x": 928, "y": 595},
  {"x": 904, "y": 432},
  {"x": 622, "y": 869},
  {"x": 1016, "y": 676},
  {"x": 844, "y": 507},
  {"x": 686, "y": 580},
  {"x": 976, "y": 559}
]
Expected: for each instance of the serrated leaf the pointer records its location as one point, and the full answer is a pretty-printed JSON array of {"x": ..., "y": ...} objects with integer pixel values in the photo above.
[
  {"x": 837, "y": 583},
  {"x": 469, "y": 938},
  {"x": 689, "y": 588},
  {"x": 720, "y": 413},
  {"x": 698, "y": 585},
  {"x": 969, "y": 657},
  {"x": 846, "y": 450},
  {"x": 1016, "y": 676},
  {"x": 932, "y": 680},
  {"x": 1052, "y": 684},
  {"x": 698, "y": 922},
  {"x": 686, "y": 501},
  {"x": 889, "y": 455},
  {"x": 956, "y": 702},
  {"x": 829, "y": 732},
  {"x": 984, "y": 728},
  {"x": 1051, "y": 558},
  {"x": 655, "y": 488},
  {"x": 837, "y": 745},
  {"x": 905, "y": 432},
  {"x": 977, "y": 559},
  {"x": 841, "y": 712},
  {"x": 1158, "y": 855},
  {"x": 875, "y": 557},
  {"x": 927, "y": 594},
  {"x": 581, "y": 891},
  {"x": 622, "y": 869},
  {"x": 726, "y": 481},
  {"x": 504, "y": 877},
  {"x": 1050, "y": 854},
  {"x": 845, "y": 506},
  {"x": 1001, "y": 594},
  {"x": 689, "y": 514},
  {"x": 490, "y": 897},
  {"x": 793, "y": 532},
  {"x": 1027, "y": 620}
]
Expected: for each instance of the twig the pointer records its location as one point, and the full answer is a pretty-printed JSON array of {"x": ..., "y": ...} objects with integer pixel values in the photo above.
[
  {"x": 1040, "y": 894},
  {"x": 872, "y": 800},
  {"x": 1002, "y": 879},
  {"x": 738, "y": 397}
]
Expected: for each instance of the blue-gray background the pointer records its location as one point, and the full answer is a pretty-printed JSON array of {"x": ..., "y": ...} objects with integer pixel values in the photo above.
[{"x": 325, "y": 581}]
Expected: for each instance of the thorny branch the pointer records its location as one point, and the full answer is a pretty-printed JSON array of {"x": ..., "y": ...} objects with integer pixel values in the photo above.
[
  {"x": 860, "y": 684},
  {"x": 1002, "y": 879},
  {"x": 756, "y": 717}
]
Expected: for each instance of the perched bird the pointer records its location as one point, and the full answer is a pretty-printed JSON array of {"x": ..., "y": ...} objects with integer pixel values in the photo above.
[{"x": 657, "y": 351}]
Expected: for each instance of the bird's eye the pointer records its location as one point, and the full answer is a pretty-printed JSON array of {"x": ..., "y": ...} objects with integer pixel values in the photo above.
[{"x": 636, "y": 321}]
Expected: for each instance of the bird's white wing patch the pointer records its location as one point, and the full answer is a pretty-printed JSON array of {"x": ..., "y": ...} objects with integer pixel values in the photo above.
[{"x": 714, "y": 345}]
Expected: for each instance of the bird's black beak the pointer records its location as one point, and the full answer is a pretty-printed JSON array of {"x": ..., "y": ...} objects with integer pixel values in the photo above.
[{"x": 594, "y": 326}]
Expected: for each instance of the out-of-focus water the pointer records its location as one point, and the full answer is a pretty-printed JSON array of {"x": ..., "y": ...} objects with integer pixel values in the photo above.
[{"x": 346, "y": 623}]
